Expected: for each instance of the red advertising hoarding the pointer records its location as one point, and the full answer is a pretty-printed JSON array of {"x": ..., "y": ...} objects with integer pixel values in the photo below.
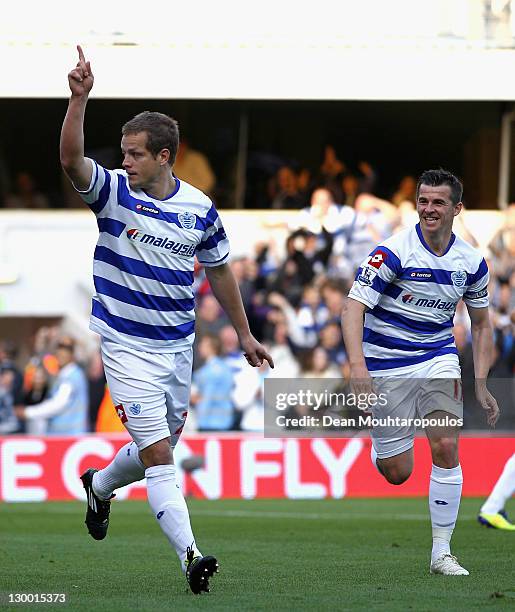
[{"x": 240, "y": 466}]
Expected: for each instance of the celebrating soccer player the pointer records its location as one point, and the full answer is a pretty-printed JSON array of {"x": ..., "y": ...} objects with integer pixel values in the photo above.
[
  {"x": 151, "y": 226},
  {"x": 397, "y": 327}
]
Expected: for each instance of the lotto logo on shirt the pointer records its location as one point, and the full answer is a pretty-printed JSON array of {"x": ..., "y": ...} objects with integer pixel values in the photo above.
[
  {"x": 159, "y": 243},
  {"x": 377, "y": 259}
]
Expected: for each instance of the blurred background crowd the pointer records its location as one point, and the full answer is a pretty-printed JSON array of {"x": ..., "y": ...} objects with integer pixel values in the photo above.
[{"x": 293, "y": 295}]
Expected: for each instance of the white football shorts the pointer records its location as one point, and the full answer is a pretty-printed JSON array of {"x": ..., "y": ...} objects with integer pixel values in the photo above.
[
  {"x": 150, "y": 391},
  {"x": 437, "y": 387}
]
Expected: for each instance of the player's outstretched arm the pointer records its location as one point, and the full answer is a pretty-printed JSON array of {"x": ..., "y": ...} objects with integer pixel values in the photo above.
[
  {"x": 80, "y": 80},
  {"x": 483, "y": 351},
  {"x": 227, "y": 292}
]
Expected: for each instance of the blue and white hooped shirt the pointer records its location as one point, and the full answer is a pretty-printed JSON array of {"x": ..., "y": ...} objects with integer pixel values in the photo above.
[
  {"x": 144, "y": 260},
  {"x": 412, "y": 295}
]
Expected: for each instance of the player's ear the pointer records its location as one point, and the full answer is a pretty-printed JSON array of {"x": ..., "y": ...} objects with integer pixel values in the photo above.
[
  {"x": 164, "y": 156},
  {"x": 457, "y": 208}
]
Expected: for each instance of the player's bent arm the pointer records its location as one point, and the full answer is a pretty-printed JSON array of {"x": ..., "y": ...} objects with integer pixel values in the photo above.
[
  {"x": 352, "y": 328},
  {"x": 482, "y": 341},
  {"x": 226, "y": 290},
  {"x": 77, "y": 168},
  {"x": 483, "y": 351}
]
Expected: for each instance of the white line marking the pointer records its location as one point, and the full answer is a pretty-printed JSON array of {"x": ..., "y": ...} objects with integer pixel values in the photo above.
[{"x": 316, "y": 516}]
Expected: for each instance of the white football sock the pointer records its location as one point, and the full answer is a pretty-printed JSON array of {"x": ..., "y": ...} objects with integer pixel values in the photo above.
[
  {"x": 444, "y": 502},
  {"x": 169, "y": 507},
  {"x": 502, "y": 490},
  {"x": 125, "y": 468}
]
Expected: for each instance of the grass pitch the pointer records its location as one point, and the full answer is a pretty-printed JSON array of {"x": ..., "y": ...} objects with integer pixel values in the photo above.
[{"x": 274, "y": 555}]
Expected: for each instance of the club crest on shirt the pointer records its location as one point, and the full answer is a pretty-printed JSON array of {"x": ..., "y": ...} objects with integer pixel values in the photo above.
[
  {"x": 459, "y": 278},
  {"x": 187, "y": 220}
]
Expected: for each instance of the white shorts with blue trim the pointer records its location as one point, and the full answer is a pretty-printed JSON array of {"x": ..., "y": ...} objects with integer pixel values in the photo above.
[
  {"x": 150, "y": 391},
  {"x": 437, "y": 387}
]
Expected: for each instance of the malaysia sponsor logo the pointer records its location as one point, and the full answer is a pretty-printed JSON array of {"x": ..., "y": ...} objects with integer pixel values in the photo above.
[
  {"x": 377, "y": 259},
  {"x": 366, "y": 277},
  {"x": 139, "y": 238},
  {"x": 459, "y": 278},
  {"x": 438, "y": 304},
  {"x": 149, "y": 209},
  {"x": 187, "y": 220}
]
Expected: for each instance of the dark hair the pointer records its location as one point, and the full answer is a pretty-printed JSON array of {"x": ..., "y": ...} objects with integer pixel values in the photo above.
[
  {"x": 162, "y": 132},
  {"x": 435, "y": 178}
]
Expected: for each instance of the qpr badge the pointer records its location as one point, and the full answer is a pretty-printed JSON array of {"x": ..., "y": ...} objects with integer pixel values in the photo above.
[
  {"x": 459, "y": 278},
  {"x": 187, "y": 220}
]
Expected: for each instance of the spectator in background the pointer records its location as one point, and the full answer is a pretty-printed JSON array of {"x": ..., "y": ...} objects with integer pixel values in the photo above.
[
  {"x": 334, "y": 292},
  {"x": 212, "y": 388},
  {"x": 26, "y": 195},
  {"x": 8, "y": 422},
  {"x": 8, "y": 353},
  {"x": 406, "y": 191},
  {"x": 287, "y": 191},
  {"x": 502, "y": 246},
  {"x": 36, "y": 393},
  {"x": 332, "y": 341},
  {"x": 315, "y": 363},
  {"x": 332, "y": 171},
  {"x": 96, "y": 387},
  {"x": 286, "y": 366},
  {"x": 193, "y": 167},
  {"x": 66, "y": 409},
  {"x": 210, "y": 317},
  {"x": 353, "y": 186}
]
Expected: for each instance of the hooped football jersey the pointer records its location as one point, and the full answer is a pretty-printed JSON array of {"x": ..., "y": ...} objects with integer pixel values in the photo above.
[
  {"x": 411, "y": 295},
  {"x": 144, "y": 260}
]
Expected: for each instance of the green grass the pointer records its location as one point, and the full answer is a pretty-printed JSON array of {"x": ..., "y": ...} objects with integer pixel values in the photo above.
[{"x": 274, "y": 555}]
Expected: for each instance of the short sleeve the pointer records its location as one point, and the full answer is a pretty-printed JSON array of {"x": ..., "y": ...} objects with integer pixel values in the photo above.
[
  {"x": 375, "y": 275},
  {"x": 99, "y": 190},
  {"x": 213, "y": 249},
  {"x": 476, "y": 295}
]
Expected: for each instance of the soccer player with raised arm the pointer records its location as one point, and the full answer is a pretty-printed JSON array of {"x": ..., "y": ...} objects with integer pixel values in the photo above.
[
  {"x": 151, "y": 226},
  {"x": 397, "y": 327}
]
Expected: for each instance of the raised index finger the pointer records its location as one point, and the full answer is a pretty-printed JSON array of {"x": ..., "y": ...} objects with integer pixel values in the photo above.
[{"x": 81, "y": 54}]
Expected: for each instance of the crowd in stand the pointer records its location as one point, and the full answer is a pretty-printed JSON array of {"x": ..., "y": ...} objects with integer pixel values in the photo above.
[{"x": 293, "y": 302}]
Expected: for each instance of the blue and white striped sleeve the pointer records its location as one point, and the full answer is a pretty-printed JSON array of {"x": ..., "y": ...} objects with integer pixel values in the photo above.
[
  {"x": 213, "y": 249},
  {"x": 375, "y": 275},
  {"x": 97, "y": 194},
  {"x": 476, "y": 295}
]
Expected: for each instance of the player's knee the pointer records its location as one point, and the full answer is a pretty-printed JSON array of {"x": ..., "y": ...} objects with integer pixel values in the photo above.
[
  {"x": 445, "y": 452},
  {"x": 397, "y": 477},
  {"x": 394, "y": 474}
]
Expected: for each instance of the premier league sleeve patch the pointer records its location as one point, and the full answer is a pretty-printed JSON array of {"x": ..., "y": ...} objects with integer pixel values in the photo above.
[{"x": 366, "y": 276}]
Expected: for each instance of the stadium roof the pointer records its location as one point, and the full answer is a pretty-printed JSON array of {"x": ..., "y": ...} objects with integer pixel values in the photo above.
[{"x": 336, "y": 50}]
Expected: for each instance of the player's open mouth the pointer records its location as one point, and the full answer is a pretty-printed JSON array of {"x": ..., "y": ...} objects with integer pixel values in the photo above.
[{"x": 430, "y": 220}]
